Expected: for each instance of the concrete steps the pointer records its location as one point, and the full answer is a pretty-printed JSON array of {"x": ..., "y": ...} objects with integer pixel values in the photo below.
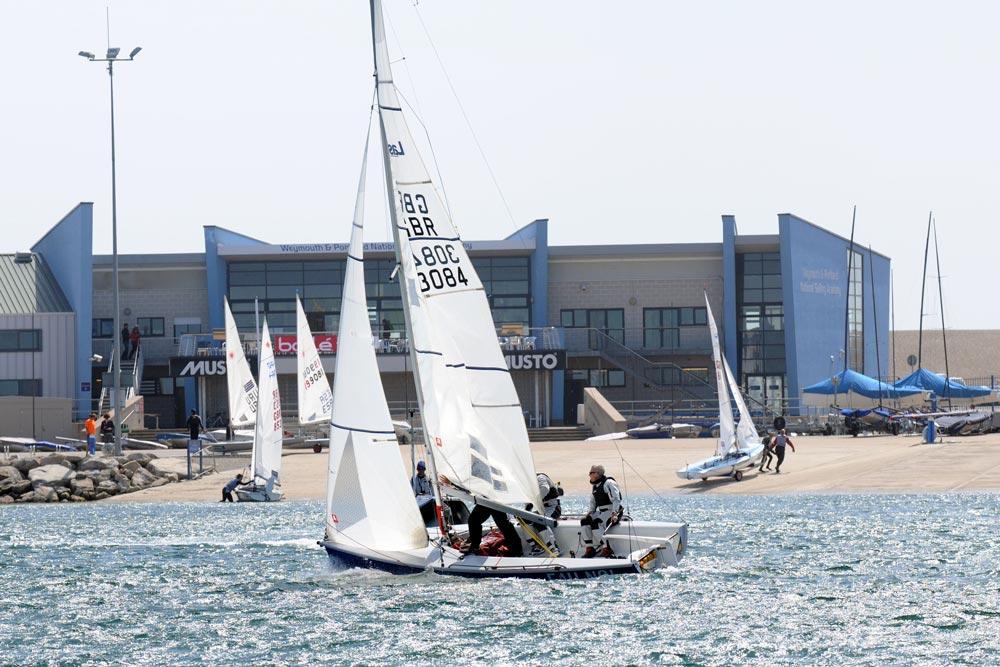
[{"x": 559, "y": 433}]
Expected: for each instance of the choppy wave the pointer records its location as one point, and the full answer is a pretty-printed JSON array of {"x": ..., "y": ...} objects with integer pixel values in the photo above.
[{"x": 768, "y": 580}]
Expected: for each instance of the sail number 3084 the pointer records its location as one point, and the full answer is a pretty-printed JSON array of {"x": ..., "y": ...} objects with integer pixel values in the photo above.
[{"x": 438, "y": 264}]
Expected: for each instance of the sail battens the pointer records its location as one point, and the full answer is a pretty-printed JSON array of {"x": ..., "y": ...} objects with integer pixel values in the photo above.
[
  {"x": 449, "y": 324},
  {"x": 384, "y": 108},
  {"x": 357, "y": 429},
  {"x": 432, "y": 239},
  {"x": 356, "y": 259},
  {"x": 487, "y": 406}
]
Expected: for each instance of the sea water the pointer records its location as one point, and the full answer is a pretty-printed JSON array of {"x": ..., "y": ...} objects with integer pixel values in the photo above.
[{"x": 861, "y": 579}]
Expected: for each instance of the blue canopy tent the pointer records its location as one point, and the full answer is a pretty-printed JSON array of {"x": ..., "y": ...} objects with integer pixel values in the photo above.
[
  {"x": 945, "y": 389},
  {"x": 852, "y": 389}
]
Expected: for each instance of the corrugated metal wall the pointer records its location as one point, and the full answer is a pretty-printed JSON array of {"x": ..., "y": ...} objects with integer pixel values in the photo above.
[{"x": 55, "y": 365}]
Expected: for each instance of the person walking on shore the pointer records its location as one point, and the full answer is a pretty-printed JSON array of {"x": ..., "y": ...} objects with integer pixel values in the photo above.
[
  {"x": 91, "y": 426},
  {"x": 107, "y": 433},
  {"x": 765, "y": 460},
  {"x": 779, "y": 449}
]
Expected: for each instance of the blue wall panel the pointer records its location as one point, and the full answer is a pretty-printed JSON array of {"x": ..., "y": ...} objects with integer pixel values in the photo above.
[{"x": 68, "y": 249}]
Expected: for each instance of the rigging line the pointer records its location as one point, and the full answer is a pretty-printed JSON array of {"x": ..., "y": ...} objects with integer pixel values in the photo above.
[
  {"x": 430, "y": 145},
  {"x": 468, "y": 123},
  {"x": 646, "y": 482},
  {"x": 415, "y": 108},
  {"x": 625, "y": 510}
]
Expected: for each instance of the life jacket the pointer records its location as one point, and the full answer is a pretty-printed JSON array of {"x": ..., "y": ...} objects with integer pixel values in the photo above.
[
  {"x": 554, "y": 491},
  {"x": 601, "y": 497}
]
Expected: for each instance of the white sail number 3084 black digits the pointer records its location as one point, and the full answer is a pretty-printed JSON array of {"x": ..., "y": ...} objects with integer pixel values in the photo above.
[{"x": 438, "y": 265}]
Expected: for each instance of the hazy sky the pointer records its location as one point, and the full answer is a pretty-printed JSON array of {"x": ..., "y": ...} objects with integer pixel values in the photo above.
[{"x": 636, "y": 122}]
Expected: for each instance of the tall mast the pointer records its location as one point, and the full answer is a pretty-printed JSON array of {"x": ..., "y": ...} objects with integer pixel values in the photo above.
[
  {"x": 944, "y": 339},
  {"x": 892, "y": 318},
  {"x": 878, "y": 361},
  {"x": 923, "y": 285},
  {"x": 378, "y": 35},
  {"x": 847, "y": 309}
]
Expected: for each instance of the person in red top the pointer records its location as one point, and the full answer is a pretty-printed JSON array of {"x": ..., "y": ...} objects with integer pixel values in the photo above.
[
  {"x": 91, "y": 427},
  {"x": 134, "y": 338}
]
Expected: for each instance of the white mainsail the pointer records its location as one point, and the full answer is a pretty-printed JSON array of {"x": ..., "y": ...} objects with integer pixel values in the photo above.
[
  {"x": 315, "y": 397},
  {"x": 266, "y": 461},
  {"x": 239, "y": 377},
  {"x": 471, "y": 412},
  {"x": 746, "y": 432},
  {"x": 369, "y": 501},
  {"x": 727, "y": 427}
]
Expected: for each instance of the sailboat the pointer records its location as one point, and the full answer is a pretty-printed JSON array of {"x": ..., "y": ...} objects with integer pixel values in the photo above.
[
  {"x": 265, "y": 460},
  {"x": 241, "y": 391},
  {"x": 315, "y": 400},
  {"x": 472, "y": 421},
  {"x": 738, "y": 447}
]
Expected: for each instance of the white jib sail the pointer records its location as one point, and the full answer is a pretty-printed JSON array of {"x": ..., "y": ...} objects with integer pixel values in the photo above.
[
  {"x": 315, "y": 397},
  {"x": 239, "y": 378},
  {"x": 268, "y": 432},
  {"x": 746, "y": 432},
  {"x": 727, "y": 427},
  {"x": 369, "y": 501},
  {"x": 471, "y": 412}
]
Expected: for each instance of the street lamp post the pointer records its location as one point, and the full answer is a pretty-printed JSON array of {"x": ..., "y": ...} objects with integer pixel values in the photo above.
[{"x": 116, "y": 365}]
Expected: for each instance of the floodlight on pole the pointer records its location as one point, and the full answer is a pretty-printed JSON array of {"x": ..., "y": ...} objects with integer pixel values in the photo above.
[{"x": 111, "y": 59}]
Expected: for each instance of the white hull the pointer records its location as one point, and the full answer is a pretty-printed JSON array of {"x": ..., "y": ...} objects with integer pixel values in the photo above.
[
  {"x": 644, "y": 546},
  {"x": 258, "y": 495},
  {"x": 733, "y": 465}
]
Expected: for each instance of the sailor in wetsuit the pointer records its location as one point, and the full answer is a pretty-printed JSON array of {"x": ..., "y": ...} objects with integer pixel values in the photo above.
[
  {"x": 605, "y": 510},
  {"x": 552, "y": 508}
]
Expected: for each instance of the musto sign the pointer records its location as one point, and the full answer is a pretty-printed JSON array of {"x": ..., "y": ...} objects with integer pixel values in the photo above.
[{"x": 535, "y": 360}]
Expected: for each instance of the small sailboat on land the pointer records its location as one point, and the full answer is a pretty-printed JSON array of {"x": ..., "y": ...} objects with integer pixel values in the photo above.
[
  {"x": 315, "y": 400},
  {"x": 265, "y": 460},
  {"x": 739, "y": 446},
  {"x": 472, "y": 421}
]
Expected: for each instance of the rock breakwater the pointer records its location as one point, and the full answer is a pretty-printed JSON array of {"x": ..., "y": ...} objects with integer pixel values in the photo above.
[{"x": 77, "y": 477}]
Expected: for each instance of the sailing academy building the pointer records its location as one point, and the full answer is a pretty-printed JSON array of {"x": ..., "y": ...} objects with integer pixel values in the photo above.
[{"x": 627, "y": 319}]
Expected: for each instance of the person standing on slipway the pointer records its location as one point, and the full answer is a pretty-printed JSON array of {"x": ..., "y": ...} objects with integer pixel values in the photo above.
[{"x": 780, "y": 441}]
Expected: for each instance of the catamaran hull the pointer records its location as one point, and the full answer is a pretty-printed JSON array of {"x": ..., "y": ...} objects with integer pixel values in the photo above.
[{"x": 723, "y": 466}]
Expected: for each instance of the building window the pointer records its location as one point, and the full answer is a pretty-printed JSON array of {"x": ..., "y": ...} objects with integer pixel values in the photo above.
[
  {"x": 320, "y": 285},
  {"x": 855, "y": 312},
  {"x": 600, "y": 377},
  {"x": 610, "y": 321},
  {"x": 507, "y": 282},
  {"x": 760, "y": 315},
  {"x": 181, "y": 329},
  {"x": 102, "y": 327},
  {"x": 20, "y": 387},
  {"x": 150, "y": 327},
  {"x": 21, "y": 340},
  {"x": 661, "y": 326}
]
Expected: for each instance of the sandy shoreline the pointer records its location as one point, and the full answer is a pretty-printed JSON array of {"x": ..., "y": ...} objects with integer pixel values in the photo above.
[{"x": 880, "y": 464}]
